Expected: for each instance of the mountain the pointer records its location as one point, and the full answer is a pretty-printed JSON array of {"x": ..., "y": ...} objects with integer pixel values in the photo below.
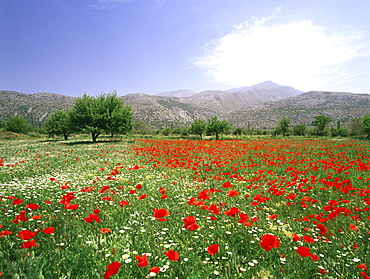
[
  {"x": 34, "y": 107},
  {"x": 181, "y": 93},
  {"x": 302, "y": 109},
  {"x": 260, "y": 106}
]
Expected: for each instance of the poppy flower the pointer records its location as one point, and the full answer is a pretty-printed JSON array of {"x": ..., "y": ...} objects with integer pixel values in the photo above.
[
  {"x": 26, "y": 234},
  {"x": 105, "y": 230},
  {"x": 160, "y": 213},
  {"x": 155, "y": 269},
  {"x": 173, "y": 255},
  {"x": 362, "y": 266},
  {"x": 123, "y": 203},
  {"x": 142, "y": 197},
  {"x": 232, "y": 211},
  {"x": 4, "y": 233},
  {"x": 190, "y": 223},
  {"x": 92, "y": 217},
  {"x": 269, "y": 241},
  {"x": 142, "y": 261},
  {"x": 32, "y": 206},
  {"x": 17, "y": 201},
  {"x": 308, "y": 239},
  {"x": 305, "y": 252},
  {"x": 48, "y": 230},
  {"x": 213, "y": 249},
  {"x": 112, "y": 269},
  {"x": 29, "y": 244},
  {"x": 71, "y": 206}
]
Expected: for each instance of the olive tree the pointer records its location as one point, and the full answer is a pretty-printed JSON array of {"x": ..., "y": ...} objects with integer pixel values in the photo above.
[
  {"x": 198, "y": 127},
  {"x": 58, "y": 123},
  {"x": 217, "y": 127},
  {"x": 104, "y": 113}
]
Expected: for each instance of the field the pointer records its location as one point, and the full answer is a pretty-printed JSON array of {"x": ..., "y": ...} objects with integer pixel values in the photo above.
[{"x": 268, "y": 208}]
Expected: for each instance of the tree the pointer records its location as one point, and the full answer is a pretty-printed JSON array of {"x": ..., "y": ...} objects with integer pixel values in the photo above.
[
  {"x": 366, "y": 125},
  {"x": 198, "y": 127},
  {"x": 283, "y": 126},
  {"x": 58, "y": 123},
  {"x": 105, "y": 113},
  {"x": 299, "y": 130},
  {"x": 239, "y": 131},
  {"x": 18, "y": 124},
  {"x": 217, "y": 127},
  {"x": 355, "y": 126},
  {"x": 320, "y": 123}
]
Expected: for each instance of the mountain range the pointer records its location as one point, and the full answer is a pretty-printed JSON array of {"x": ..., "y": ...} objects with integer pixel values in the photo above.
[{"x": 259, "y": 106}]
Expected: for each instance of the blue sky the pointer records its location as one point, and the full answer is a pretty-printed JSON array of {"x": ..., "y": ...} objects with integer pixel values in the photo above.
[{"x": 74, "y": 46}]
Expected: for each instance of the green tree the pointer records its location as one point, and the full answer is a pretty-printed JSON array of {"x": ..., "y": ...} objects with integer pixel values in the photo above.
[
  {"x": 18, "y": 124},
  {"x": 239, "y": 131},
  {"x": 283, "y": 126},
  {"x": 217, "y": 127},
  {"x": 105, "y": 113},
  {"x": 198, "y": 127},
  {"x": 300, "y": 130},
  {"x": 320, "y": 123},
  {"x": 58, "y": 123},
  {"x": 355, "y": 126},
  {"x": 366, "y": 125}
]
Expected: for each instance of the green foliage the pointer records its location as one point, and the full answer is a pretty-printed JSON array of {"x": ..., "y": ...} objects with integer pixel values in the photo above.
[
  {"x": 2, "y": 124},
  {"x": 217, "y": 127},
  {"x": 18, "y": 124},
  {"x": 299, "y": 130},
  {"x": 283, "y": 126},
  {"x": 198, "y": 127},
  {"x": 355, "y": 126},
  {"x": 140, "y": 127},
  {"x": 239, "y": 131},
  {"x": 166, "y": 131},
  {"x": 320, "y": 123},
  {"x": 366, "y": 125},
  {"x": 105, "y": 113},
  {"x": 58, "y": 123}
]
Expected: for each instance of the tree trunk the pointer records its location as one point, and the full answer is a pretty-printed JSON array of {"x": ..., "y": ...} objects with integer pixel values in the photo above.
[{"x": 94, "y": 137}]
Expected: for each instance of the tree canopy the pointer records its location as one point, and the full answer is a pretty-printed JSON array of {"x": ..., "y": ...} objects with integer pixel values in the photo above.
[
  {"x": 58, "y": 124},
  {"x": 217, "y": 127},
  {"x": 104, "y": 113}
]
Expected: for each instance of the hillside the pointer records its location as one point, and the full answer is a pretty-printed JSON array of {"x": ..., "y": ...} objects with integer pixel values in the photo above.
[
  {"x": 260, "y": 106},
  {"x": 302, "y": 109},
  {"x": 34, "y": 107}
]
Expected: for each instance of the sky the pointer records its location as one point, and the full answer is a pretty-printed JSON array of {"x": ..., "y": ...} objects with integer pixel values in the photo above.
[{"x": 71, "y": 47}]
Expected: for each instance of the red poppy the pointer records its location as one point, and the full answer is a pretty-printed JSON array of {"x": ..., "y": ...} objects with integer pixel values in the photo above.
[
  {"x": 4, "y": 233},
  {"x": 295, "y": 237},
  {"x": 190, "y": 223},
  {"x": 269, "y": 241},
  {"x": 362, "y": 266},
  {"x": 213, "y": 249},
  {"x": 112, "y": 269},
  {"x": 123, "y": 203},
  {"x": 142, "y": 197},
  {"x": 32, "y": 206},
  {"x": 142, "y": 261},
  {"x": 308, "y": 239},
  {"x": 155, "y": 269},
  {"x": 92, "y": 217},
  {"x": 305, "y": 252},
  {"x": 71, "y": 206},
  {"x": 353, "y": 227},
  {"x": 172, "y": 255},
  {"x": 96, "y": 211},
  {"x": 160, "y": 213},
  {"x": 132, "y": 192},
  {"x": 48, "y": 230},
  {"x": 29, "y": 244},
  {"x": 17, "y": 201},
  {"x": 233, "y": 193},
  {"x": 232, "y": 211},
  {"x": 105, "y": 230},
  {"x": 26, "y": 234}
]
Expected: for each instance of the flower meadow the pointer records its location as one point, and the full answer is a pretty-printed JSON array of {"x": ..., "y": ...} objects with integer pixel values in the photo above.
[{"x": 258, "y": 208}]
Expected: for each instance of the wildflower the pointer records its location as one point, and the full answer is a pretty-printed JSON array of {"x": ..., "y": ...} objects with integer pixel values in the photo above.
[
  {"x": 213, "y": 249},
  {"x": 142, "y": 261},
  {"x": 112, "y": 269},
  {"x": 269, "y": 241},
  {"x": 172, "y": 255}
]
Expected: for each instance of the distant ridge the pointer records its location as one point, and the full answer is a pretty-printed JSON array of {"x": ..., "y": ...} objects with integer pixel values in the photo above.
[{"x": 260, "y": 106}]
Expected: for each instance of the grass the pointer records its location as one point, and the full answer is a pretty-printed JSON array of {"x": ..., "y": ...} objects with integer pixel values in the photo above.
[{"x": 101, "y": 207}]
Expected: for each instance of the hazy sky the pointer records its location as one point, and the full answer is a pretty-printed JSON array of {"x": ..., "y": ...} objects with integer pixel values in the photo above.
[{"x": 74, "y": 46}]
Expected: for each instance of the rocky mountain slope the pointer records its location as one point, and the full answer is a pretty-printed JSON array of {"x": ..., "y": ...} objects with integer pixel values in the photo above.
[{"x": 260, "y": 106}]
